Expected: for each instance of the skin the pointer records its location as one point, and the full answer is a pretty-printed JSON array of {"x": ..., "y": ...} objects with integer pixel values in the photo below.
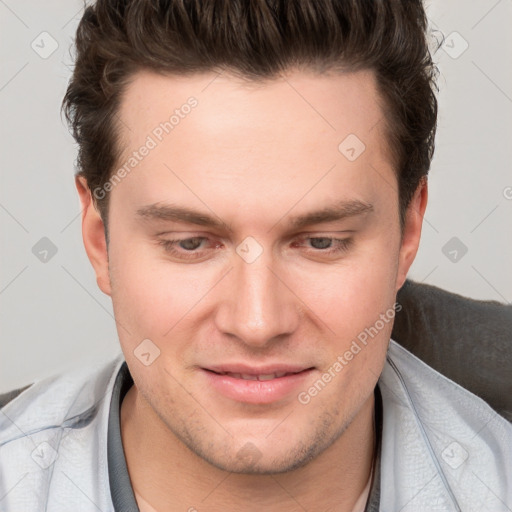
[{"x": 253, "y": 156}]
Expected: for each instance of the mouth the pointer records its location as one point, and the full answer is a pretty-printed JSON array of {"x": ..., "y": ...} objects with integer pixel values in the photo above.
[
  {"x": 256, "y": 376},
  {"x": 257, "y": 386}
]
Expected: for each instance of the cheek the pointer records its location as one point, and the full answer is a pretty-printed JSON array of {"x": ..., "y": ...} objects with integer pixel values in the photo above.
[
  {"x": 149, "y": 295},
  {"x": 350, "y": 296},
  {"x": 354, "y": 303}
]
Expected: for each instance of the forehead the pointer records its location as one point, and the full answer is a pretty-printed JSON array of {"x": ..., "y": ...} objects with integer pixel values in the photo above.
[
  {"x": 254, "y": 140},
  {"x": 330, "y": 104}
]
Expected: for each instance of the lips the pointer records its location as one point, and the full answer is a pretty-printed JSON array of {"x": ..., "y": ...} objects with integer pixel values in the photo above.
[
  {"x": 262, "y": 376},
  {"x": 263, "y": 385},
  {"x": 278, "y": 369}
]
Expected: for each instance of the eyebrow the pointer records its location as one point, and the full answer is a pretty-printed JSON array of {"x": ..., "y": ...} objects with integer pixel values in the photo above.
[
  {"x": 339, "y": 211},
  {"x": 170, "y": 212}
]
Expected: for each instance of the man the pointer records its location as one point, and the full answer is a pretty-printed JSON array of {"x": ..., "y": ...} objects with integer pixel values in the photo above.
[{"x": 253, "y": 184}]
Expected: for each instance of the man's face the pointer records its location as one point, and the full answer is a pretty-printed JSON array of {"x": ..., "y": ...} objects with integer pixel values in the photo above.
[{"x": 258, "y": 292}]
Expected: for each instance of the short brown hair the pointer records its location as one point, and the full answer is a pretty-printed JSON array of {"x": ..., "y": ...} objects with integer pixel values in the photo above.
[{"x": 256, "y": 39}]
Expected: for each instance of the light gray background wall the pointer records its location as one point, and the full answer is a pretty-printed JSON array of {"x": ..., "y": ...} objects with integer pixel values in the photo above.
[{"x": 53, "y": 315}]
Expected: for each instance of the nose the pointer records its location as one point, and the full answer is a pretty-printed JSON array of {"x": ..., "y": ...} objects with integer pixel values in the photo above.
[{"x": 258, "y": 305}]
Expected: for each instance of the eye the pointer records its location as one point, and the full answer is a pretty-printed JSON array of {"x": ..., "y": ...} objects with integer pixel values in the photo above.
[
  {"x": 190, "y": 244},
  {"x": 197, "y": 247},
  {"x": 186, "y": 248},
  {"x": 325, "y": 245},
  {"x": 321, "y": 242}
]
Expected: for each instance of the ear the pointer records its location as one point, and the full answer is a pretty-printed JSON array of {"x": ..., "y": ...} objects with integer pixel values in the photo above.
[
  {"x": 93, "y": 234},
  {"x": 412, "y": 232}
]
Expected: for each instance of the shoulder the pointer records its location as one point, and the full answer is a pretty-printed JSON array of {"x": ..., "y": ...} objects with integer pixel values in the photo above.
[
  {"x": 433, "y": 426},
  {"x": 6, "y": 397},
  {"x": 54, "y": 400},
  {"x": 422, "y": 383},
  {"x": 467, "y": 340},
  {"x": 58, "y": 424}
]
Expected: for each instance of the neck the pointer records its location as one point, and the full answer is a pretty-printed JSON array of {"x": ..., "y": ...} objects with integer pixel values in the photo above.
[{"x": 168, "y": 477}]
